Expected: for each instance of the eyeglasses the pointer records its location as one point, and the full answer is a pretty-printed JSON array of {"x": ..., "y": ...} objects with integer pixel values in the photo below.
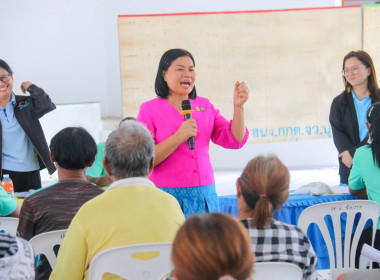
[
  {"x": 353, "y": 69},
  {"x": 5, "y": 78}
]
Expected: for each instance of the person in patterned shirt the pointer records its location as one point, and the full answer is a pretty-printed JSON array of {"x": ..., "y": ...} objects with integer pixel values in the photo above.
[
  {"x": 16, "y": 258},
  {"x": 262, "y": 188}
]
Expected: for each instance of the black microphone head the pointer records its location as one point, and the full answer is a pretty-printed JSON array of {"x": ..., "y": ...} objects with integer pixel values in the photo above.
[{"x": 186, "y": 105}]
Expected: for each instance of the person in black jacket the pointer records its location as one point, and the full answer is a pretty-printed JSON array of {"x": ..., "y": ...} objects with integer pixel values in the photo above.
[
  {"x": 348, "y": 113},
  {"x": 23, "y": 145}
]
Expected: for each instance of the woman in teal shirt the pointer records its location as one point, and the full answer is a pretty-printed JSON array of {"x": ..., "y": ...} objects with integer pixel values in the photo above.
[
  {"x": 8, "y": 205},
  {"x": 364, "y": 180}
]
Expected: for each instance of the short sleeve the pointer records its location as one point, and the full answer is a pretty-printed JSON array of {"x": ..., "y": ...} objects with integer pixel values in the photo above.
[
  {"x": 26, "y": 222},
  {"x": 355, "y": 180},
  {"x": 146, "y": 118},
  {"x": 7, "y": 203}
]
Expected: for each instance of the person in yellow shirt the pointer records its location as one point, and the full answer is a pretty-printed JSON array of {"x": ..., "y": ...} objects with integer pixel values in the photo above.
[{"x": 131, "y": 211}]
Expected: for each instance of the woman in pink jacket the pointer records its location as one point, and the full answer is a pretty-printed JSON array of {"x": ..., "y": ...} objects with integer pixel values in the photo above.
[{"x": 187, "y": 173}]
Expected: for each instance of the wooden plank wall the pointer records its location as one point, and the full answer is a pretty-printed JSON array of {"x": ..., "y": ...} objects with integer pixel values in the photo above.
[
  {"x": 290, "y": 59},
  {"x": 371, "y": 34}
]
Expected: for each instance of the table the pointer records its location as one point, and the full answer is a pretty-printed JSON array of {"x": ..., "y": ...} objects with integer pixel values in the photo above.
[
  {"x": 19, "y": 201},
  {"x": 290, "y": 213}
]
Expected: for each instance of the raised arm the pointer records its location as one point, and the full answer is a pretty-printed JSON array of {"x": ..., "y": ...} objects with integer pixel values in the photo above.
[
  {"x": 42, "y": 102},
  {"x": 240, "y": 97}
]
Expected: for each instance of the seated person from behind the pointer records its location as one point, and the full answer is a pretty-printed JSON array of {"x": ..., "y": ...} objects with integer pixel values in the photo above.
[
  {"x": 132, "y": 210},
  {"x": 52, "y": 208},
  {"x": 262, "y": 188},
  {"x": 8, "y": 205},
  {"x": 211, "y": 247},
  {"x": 16, "y": 258},
  {"x": 364, "y": 179},
  {"x": 96, "y": 173}
]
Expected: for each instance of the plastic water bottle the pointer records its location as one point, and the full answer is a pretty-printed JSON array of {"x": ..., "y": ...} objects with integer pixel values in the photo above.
[{"x": 8, "y": 185}]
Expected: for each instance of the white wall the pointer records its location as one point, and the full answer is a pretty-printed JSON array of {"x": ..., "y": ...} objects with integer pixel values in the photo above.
[
  {"x": 86, "y": 115},
  {"x": 58, "y": 45},
  {"x": 71, "y": 49}
]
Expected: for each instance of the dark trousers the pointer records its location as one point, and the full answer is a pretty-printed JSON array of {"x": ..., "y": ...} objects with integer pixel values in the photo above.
[
  {"x": 366, "y": 237},
  {"x": 24, "y": 181},
  {"x": 344, "y": 172}
]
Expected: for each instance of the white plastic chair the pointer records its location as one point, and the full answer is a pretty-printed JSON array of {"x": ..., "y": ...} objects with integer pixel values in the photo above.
[
  {"x": 369, "y": 210},
  {"x": 8, "y": 225},
  {"x": 368, "y": 255},
  {"x": 124, "y": 262},
  {"x": 277, "y": 271},
  {"x": 44, "y": 243}
]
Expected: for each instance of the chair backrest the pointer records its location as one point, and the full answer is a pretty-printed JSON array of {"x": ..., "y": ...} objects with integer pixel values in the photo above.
[
  {"x": 8, "y": 225},
  {"x": 142, "y": 261},
  {"x": 277, "y": 271},
  {"x": 317, "y": 214},
  {"x": 44, "y": 243}
]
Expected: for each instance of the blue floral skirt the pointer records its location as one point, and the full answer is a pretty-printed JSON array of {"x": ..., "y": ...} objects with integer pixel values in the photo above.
[{"x": 195, "y": 200}]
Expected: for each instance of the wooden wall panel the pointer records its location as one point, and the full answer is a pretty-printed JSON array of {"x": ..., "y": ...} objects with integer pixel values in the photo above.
[
  {"x": 371, "y": 34},
  {"x": 291, "y": 61}
]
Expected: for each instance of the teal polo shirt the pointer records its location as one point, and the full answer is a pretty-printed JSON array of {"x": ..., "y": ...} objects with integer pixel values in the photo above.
[
  {"x": 364, "y": 172},
  {"x": 7, "y": 203}
]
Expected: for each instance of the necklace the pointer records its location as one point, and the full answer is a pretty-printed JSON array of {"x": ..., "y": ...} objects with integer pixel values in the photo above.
[{"x": 177, "y": 107}]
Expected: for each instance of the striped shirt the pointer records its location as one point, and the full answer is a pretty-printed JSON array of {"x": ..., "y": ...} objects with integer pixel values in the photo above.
[{"x": 53, "y": 208}]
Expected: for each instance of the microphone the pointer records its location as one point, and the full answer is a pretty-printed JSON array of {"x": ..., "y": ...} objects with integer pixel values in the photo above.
[{"x": 186, "y": 108}]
